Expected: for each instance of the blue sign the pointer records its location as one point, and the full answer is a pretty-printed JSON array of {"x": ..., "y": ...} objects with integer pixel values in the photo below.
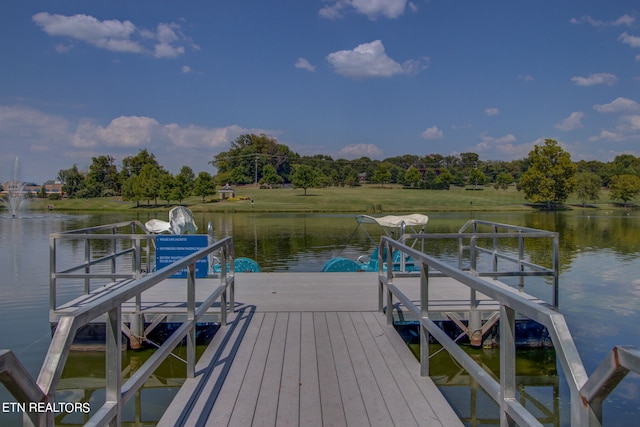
[{"x": 173, "y": 247}]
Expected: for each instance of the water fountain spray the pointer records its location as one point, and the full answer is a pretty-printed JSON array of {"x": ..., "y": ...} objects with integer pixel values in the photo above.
[{"x": 15, "y": 198}]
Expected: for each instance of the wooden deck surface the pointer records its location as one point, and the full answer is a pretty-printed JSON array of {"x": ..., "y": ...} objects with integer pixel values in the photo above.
[
  {"x": 307, "y": 291},
  {"x": 308, "y": 349}
]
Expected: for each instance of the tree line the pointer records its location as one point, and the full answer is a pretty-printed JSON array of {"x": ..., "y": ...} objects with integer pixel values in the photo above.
[{"x": 547, "y": 176}]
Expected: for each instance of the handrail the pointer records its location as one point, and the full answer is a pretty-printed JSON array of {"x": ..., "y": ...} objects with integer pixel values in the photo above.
[
  {"x": 17, "y": 380},
  {"x": 117, "y": 393},
  {"x": 139, "y": 238},
  {"x": 587, "y": 393},
  {"x": 470, "y": 232}
]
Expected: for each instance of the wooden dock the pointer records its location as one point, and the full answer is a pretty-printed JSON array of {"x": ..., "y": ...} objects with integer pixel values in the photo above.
[
  {"x": 305, "y": 349},
  {"x": 308, "y": 349}
]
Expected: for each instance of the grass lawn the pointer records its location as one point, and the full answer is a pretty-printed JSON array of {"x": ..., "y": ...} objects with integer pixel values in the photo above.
[{"x": 371, "y": 199}]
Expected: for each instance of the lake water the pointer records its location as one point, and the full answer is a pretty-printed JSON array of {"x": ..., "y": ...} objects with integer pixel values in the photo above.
[{"x": 599, "y": 296}]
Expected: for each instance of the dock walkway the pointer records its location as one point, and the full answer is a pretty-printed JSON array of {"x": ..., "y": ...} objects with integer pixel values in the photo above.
[{"x": 308, "y": 349}]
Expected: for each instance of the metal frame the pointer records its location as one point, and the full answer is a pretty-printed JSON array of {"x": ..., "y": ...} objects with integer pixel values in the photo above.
[
  {"x": 587, "y": 393},
  {"x": 25, "y": 389},
  {"x": 472, "y": 232},
  {"x": 139, "y": 240}
]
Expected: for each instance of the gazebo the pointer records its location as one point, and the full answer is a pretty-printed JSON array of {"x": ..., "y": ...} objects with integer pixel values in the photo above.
[{"x": 226, "y": 192}]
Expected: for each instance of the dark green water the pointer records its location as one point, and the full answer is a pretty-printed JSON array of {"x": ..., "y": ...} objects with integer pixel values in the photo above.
[{"x": 599, "y": 296}]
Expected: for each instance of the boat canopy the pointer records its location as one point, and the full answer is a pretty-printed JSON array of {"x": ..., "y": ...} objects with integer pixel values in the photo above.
[
  {"x": 181, "y": 221},
  {"x": 394, "y": 221}
]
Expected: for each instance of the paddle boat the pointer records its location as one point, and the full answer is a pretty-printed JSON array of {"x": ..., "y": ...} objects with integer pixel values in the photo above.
[
  {"x": 393, "y": 226},
  {"x": 182, "y": 221}
]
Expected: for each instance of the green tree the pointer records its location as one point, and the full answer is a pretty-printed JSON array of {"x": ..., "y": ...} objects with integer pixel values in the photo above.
[
  {"x": 381, "y": 175},
  {"x": 477, "y": 177},
  {"x": 72, "y": 181},
  {"x": 204, "y": 185},
  {"x": 183, "y": 184},
  {"x": 166, "y": 186},
  {"x": 588, "y": 186},
  {"x": 412, "y": 176},
  {"x": 550, "y": 177},
  {"x": 624, "y": 187},
  {"x": 131, "y": 167},
  {"x": 322, "y": 180},
  {"x": 270, "y": 176},
  {"x": 102, "y": 178},
  {"x": 148, "y": 183},
  {"x": 443, "y": 180},
  {"x": 303, "y": 176},
  {"x": 251, "y": 153},
  {"x": 240, "y": 176},
  {"x": 503, "y": 180}
]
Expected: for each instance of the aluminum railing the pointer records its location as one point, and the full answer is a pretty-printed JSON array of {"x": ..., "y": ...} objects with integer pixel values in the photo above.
[
  {"x": 132, "y": 249},
  {"x": 26, "y": 390},
  {"x": 587, "y": 393},
  {"x": 470, "y": 249}
]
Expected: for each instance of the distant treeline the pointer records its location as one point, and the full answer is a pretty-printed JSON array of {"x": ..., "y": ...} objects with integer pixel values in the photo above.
[{"x": 261, "y": 159}]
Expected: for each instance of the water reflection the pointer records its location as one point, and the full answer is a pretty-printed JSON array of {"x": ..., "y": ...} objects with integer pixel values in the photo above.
[
  {"x": 83, "y": 380},
  {"x": 538, "y": 385}
]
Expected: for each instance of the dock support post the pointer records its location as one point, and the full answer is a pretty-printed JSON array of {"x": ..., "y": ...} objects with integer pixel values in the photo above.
[
  {"x": 136, "y": 326},
  {"x": 507, "y": 362},
  {"x": 474, "y": 327},
  {"x": 114, "y": 362},
  {"x": 136, "y": 319},
  {"x": 389, "y": 282},
  {"x": 52, "y": 276},
  {"x": 191, "y": 318},
  {"x": 424, "y": 314}
]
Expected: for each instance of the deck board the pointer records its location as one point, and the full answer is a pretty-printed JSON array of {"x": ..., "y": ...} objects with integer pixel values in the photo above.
[
  {"x": 311, "y": 349},
  {"x": 310, "y": 404},
  {"x": 288, "y": 410}
]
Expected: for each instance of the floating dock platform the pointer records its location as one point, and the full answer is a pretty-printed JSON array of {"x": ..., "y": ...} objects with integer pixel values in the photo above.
[{"x": 308, "y": 349}]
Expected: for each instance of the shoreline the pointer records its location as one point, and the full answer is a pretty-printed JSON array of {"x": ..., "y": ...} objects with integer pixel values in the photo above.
[{"x": 365, "y": 200}]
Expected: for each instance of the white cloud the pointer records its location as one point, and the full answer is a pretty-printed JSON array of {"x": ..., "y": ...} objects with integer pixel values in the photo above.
[
  {"x": 34, "y": 135},
  {"x": 595, "y": 79},
  {"x": 27, "y": 126},
  {"x": 489, "y": 140},
  {"x": 432, "y": 133},
  {"x": 38, "y": 138},
  {"x": 371, "y": 60},
  {"x": 186, "y": 69},
  {"x": 372, "y": 8},
  {"x": 607, "y": 135},
  {"x": 110, "y": 34},
  {"x": 132, "y": 131},
  {"x": 631, "y": 123},
  {"x": 633, "y": 41},
  {"x": 167, "y": 37},
  {"x": 114, "y": 35},
  {"x": 526, "y": 77},
  {"x": 627, "y": 20},
  {"x": 491, "y": 111},
  {"x": 303, "y": 64},
  {"x": 572, "y": 122},
  {"x": 200, "y": 137},
  {"x": 63, "y": 48},
  {"x": 503, "y": 147},
  {"x": 618, "y": 105},
  {"x": 355, "y": 151},
  {"x": 137, "y": 131}
]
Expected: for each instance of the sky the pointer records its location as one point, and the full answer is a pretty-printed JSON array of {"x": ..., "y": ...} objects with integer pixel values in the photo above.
[{"x": 344, "y": 78}]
